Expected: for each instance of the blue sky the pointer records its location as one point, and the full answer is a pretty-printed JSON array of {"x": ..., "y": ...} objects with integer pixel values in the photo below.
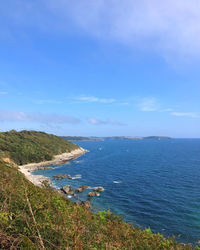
[{"x": 100, "y": 67}]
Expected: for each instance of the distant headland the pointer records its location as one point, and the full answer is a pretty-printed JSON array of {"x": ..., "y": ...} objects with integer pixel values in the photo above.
[{"x": 93, "y": 138}]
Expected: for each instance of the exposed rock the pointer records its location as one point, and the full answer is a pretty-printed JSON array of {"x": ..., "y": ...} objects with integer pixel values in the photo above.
[
  {"x": 58, "y": 159},
  {"x": 8, "y": 160},
  {"x": 66, "y": 175},
  {"x": 84, "y": 186},
  {"x": 79, "y": 190},
  {"x": 67, "y": 189},
  {"x": 98, "y": 189},
  {"x": 91, "y": 194},
  {"x": 60, "y": 176}
]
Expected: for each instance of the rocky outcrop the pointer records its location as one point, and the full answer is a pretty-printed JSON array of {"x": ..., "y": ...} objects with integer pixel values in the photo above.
[
  {"x": 84, "y": 187},
  {"x": 60, "y": 176},
  {"x": 91, "y": 194},
  {"x": 67, "y": 189},
  {"x": 98, "y": 189},
  {"x": 81, "y": 188},
  {"x": 58, "y": 159}
]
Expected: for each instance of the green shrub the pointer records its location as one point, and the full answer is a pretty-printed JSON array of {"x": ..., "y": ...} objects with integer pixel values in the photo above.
[{"x": 32, "y": 146}]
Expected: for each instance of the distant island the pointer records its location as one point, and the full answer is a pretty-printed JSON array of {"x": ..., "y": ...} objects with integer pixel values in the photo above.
[
  {"x": 93, "y": 138},
  {"x": 81, "y": 138},
  {"x": 137, "y": 138}
]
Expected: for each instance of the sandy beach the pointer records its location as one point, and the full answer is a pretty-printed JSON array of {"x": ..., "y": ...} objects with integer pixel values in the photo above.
[{"x": 58, "y": 160}]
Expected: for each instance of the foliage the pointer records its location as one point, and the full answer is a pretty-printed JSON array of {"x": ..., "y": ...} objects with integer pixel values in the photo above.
[
  {"x": 31, "y": 146},
  {"x": 38, "y": 218}
]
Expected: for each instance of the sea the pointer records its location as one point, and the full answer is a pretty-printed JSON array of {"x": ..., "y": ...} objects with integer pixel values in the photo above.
[{"x": 150, "y": 183}]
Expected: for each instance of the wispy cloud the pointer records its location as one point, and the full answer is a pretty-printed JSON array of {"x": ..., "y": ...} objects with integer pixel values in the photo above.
[
  {"x": 88, "y": 99},
  {"x": 36, "y": 117},
  {"x": 166, "y": 26},
  {"x": 151, "y": 104},
  {"x": 186, "y": 114},
  {"x": 123, "y": 104},
  {"x": 40, "y": 102},
  {"x": 95, "y": 121},
  {"x": 148, "y": 104},
  {"x": 167, "y": 110},
  {"x": 3, "y": 93}
]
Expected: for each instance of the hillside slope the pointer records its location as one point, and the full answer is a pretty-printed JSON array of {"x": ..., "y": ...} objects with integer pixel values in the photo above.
[
  {"x": 39, "y": 218},
  {"x": 31, "y": 146}
]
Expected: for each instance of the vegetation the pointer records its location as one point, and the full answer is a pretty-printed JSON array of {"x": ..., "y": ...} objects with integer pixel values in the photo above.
[
  {"x": 31, "y": 146},
  {"x": 39, "y": 218}
]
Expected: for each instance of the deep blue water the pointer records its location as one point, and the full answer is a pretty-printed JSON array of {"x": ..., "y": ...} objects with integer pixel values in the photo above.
[{"x": 153, "y": 183}]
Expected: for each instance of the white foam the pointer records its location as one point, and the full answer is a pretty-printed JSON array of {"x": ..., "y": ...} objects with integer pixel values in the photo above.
[
  {"x": 117, "y": 182},
  {"x": 78, "y": 161},
  {"x": 57, "y": 167}
]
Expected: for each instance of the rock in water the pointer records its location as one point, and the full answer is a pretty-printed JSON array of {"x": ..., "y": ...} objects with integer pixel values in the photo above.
[
  {"x": 98, "y": 189},
  {"x": 84, "y": 187},
  {"x": 79, "y": 190},
  {"x": 67, "y": 189},
  {"x": 91, "y": 194}
]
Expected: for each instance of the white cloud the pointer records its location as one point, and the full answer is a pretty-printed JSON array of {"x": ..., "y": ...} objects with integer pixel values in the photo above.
[
  {"x": 148, "y": 104},
  {"x": 88, "y": 99},
  {"x": 186, "y": 114},
  {"x": 36, "y": 117},
  {"x": 166, "y": 26},
  {"x": 95, "y": 121}
]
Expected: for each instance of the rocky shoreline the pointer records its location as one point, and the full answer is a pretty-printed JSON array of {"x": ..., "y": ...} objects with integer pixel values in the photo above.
[{"x": 58, "y": 160}]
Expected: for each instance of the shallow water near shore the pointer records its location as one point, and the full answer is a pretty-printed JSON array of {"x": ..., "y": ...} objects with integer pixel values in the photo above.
[{"x": 153, "y": 183}]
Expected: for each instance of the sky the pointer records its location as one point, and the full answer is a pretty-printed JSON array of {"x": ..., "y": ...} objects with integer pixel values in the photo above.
[{"x": 100, "y": 68}]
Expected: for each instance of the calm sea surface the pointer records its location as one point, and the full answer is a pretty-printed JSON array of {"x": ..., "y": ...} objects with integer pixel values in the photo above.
[{"x": 150, "y": 182}]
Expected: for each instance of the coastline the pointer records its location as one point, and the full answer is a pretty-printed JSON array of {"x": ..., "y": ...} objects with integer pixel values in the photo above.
[{"x": 58, "y": 160}]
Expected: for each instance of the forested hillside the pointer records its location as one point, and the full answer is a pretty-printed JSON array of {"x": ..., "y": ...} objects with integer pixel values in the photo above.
[{"x": 31, "y": 146}]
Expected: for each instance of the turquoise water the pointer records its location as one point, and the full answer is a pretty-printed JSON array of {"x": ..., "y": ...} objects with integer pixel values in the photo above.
[{"x": 150, "y": 182}]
